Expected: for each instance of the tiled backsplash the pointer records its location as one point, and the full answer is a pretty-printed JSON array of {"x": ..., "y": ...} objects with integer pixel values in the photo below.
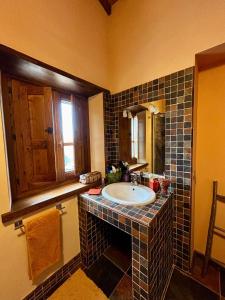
[{"x": 177, "y": 89}]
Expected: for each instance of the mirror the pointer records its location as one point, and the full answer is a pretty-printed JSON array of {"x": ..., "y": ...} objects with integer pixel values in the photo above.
[{"x": 142, "y": 135}]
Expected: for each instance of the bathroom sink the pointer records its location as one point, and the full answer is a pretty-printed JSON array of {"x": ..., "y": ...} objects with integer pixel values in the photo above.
[{"x": 128, "y": 194}]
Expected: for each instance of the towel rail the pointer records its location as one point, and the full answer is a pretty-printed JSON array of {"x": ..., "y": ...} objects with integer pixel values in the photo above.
[
  {"x": 18, "y": 224},
  {"x": 213, "y": 229}
]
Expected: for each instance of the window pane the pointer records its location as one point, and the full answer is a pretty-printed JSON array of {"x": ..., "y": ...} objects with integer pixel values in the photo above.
[
  {"x": 134, "y": 137},
  {"x": 69, "y": 158},
  {"x": 67, "y": 121}
]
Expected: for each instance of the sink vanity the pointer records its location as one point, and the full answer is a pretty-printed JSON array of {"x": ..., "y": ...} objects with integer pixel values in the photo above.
[
  {"x": 135, "y": 209},
  {"x": 150, "y": 228}
]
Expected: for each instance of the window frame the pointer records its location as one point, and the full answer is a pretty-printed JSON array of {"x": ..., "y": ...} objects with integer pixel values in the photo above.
[
  {"x": 82, "y": 132},
  {"x": 71, "y": 173},
  {"x": 134, "y": 137},
  {"x": 61, "y": 175}
]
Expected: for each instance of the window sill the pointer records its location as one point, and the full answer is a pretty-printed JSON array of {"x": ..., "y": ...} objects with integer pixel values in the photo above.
[
  {"x": 31, "y": 204},
  {"x": 137, "y": 166}
]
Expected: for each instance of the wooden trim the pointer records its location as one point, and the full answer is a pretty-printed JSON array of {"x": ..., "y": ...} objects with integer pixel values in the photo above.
[
  {"x": 138, "y": 167},
  {"x": 215, "y": 262},
  {"x": 22, "y": 67},
  {"x": 62, "y": 178},
  {"x": 15, "y": 215},
  {"x": 107, "y": 6},
  {"x": 210, "y": 58},
  {"x": 220, "y": 198},
  {"x": 47, "y": 287}
]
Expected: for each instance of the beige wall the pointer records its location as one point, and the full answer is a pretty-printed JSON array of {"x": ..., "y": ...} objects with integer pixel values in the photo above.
[
  {"x": 68, "y": 34},
  {"x": 209, "y": 156},
  {"x": 97, "y": 139},
  {"x": 150, "y": 39},
  {"x": 14, "y": 281},
  {"x": 145, "y": 40}
]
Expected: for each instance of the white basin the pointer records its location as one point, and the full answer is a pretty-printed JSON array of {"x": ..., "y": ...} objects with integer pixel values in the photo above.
[{"x": 127, "y": 194}]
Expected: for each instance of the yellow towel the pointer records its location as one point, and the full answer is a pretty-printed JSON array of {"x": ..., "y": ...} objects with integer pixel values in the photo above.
[
  {"x": 43, "y": 235},
  {"x": 78, "y": 287}
]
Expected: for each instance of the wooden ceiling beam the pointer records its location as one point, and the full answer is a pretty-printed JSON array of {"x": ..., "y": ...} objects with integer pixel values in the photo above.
[{"x": 107, "y": 6}]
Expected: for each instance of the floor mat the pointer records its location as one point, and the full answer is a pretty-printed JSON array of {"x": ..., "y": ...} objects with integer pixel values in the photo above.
[{"x": 78, "y": 287}]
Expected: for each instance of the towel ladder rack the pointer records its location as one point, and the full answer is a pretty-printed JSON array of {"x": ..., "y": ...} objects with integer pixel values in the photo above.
[
  {"x": 213, "y": 229},
  {"x": 18, "y": 224}
]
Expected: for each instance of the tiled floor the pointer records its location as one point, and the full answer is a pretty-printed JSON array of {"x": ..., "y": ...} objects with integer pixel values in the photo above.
[
  {"x": 183, "y": 287},
  {"x": 222, "y": 283},
  {"x": 105, "y": 274},
  {"x": 212, "y": 277},
  {"x": 112, "y": 273}
]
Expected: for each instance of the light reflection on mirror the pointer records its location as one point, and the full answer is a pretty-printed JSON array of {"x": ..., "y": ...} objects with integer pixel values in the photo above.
[{"x": 142, "y": 135}]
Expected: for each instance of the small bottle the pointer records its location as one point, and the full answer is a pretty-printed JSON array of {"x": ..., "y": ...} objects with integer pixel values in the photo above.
[{"x": 154, "y": 184}]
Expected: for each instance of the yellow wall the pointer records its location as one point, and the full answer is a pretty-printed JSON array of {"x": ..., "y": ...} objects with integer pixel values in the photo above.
[
  {"x": 97, "y": 139},
  {"x": 68, "y": 34},
  {"x": 149, "y": 39},
  {"x": 14, "y": 281},
  {"x": 210, "y": 156},
  {"x": 144, "y": 40}
]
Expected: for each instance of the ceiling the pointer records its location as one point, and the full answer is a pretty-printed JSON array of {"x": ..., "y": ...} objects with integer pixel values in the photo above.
[{"x": 107, "y": 5}]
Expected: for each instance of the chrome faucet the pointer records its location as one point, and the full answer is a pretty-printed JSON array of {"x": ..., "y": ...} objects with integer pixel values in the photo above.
[{"x": 134, "y": 179}]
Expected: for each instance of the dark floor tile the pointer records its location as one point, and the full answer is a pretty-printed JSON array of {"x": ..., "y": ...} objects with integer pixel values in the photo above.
[
  {"x": 129, "y": 271},
  {"x": 105, "y": 275},
  {"x": 120, "y": 256},
  {"x": 123, "y": 291},
  {"x": 211, "y": 279},
  {"x": 222, "y": 282},
  {"x": 184, "y": 288}
]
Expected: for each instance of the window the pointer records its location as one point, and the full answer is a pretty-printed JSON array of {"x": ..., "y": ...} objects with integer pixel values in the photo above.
[
  {"x": 68, "y": 136},
  {"x": 47, "y": 136},
  {"x": 134, "y": 137}
]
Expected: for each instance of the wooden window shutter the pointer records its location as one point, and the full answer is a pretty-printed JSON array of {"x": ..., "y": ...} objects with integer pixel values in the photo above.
[
  {"x": 82, "y": 140},
  {"x": 125, "y": 138},
  {"x": 34, "y": 143}
]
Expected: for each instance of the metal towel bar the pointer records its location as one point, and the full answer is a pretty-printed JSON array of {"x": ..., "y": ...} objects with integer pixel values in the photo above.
[{"x": 19, "y": 223}]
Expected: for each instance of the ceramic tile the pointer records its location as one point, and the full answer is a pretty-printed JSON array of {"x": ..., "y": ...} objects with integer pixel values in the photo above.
[
  {"x": 46, "y": 288},
  {"x": 123, "y": 290},
  {"x": 211, "y": 279},
  {"x": 184, "y": 288},
  {"x": 105, "y": 275},
  {"x": 222, "y": 282},
  {"x": 129, "y": 272},
  {"x": 177, "y": 90},
  {"x": 152, "y": 245},
  {"x": 120, "y": 256}
]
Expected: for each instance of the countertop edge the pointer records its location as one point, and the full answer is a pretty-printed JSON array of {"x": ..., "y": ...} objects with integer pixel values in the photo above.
[{"x": 89, "y": 198}]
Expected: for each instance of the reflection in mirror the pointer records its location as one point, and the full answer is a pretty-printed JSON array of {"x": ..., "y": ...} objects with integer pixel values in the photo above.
[{"x": 142, "y": 135}]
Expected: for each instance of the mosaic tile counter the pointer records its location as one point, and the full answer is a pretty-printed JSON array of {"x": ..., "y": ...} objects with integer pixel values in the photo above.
[{"x": 150, "y": 227}]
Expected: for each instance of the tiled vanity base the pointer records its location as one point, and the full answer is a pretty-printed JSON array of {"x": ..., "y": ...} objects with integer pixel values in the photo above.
[{"x": 150, "y": 227}]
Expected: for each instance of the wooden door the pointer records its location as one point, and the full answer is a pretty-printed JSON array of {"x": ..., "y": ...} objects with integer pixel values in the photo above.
[{"x": 34, "y": 141}]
